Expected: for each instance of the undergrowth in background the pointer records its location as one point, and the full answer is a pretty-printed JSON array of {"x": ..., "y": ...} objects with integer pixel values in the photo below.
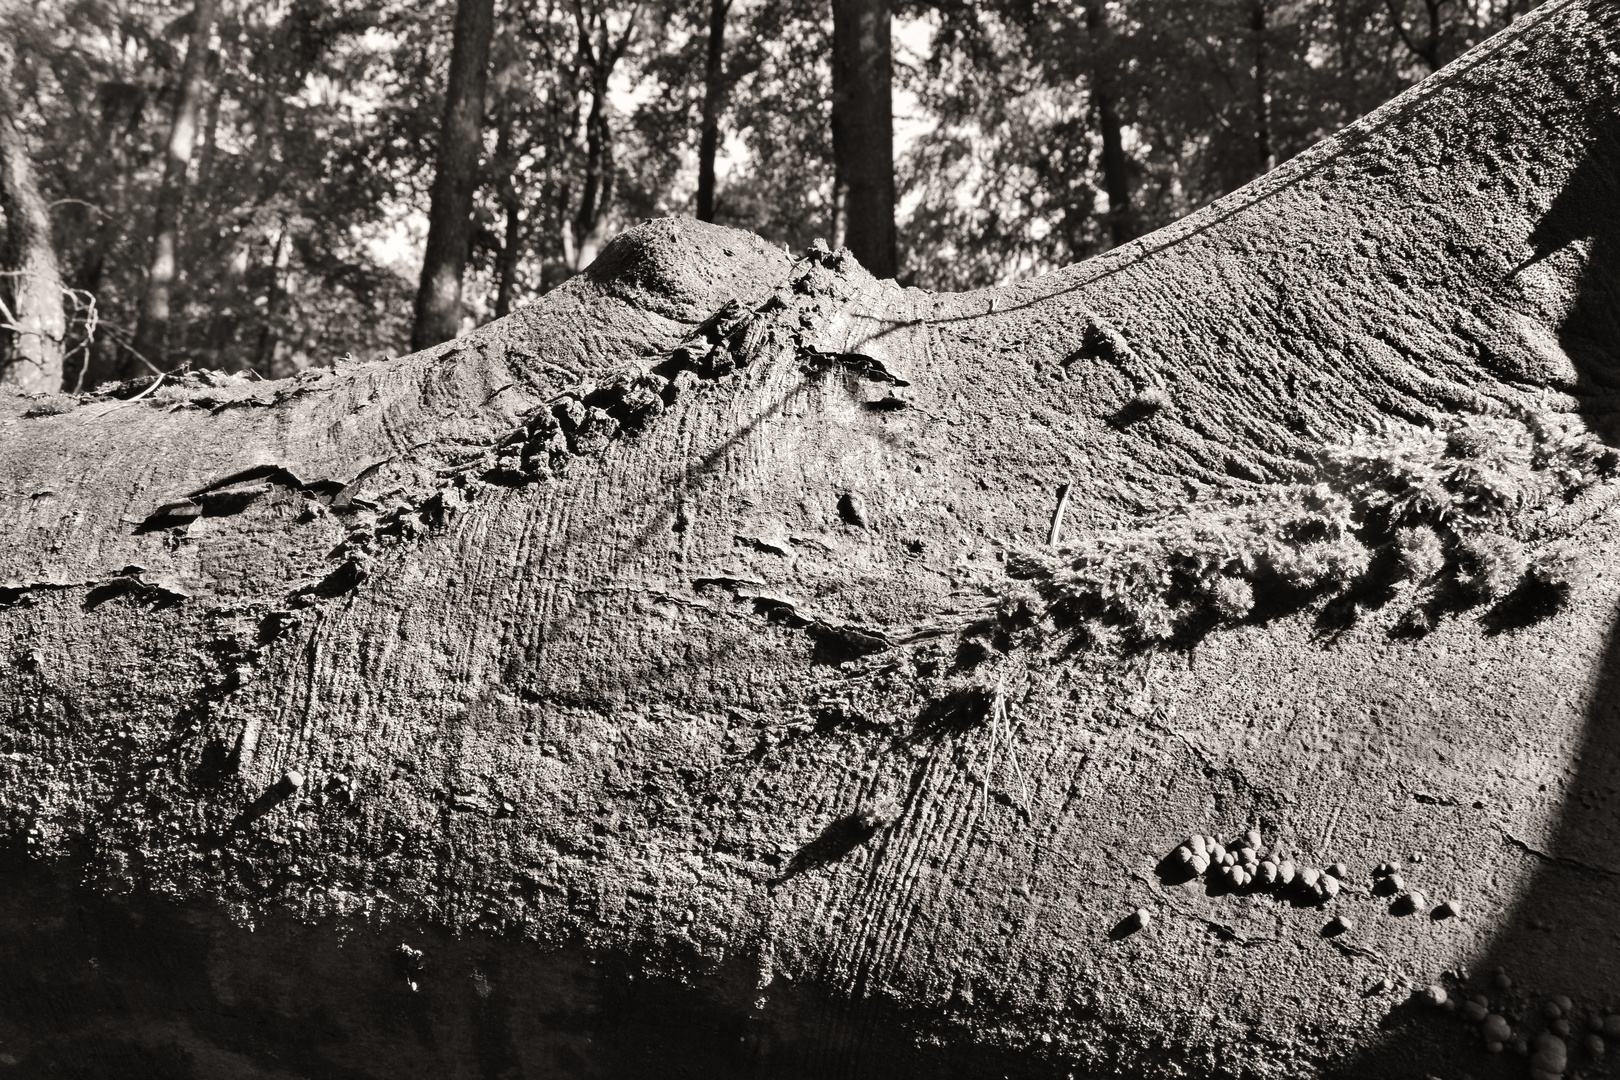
[{"x": 1447, "y": 510}]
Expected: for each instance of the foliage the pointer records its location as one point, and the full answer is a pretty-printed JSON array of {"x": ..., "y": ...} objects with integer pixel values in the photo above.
[{"x": 304, "y": 218}]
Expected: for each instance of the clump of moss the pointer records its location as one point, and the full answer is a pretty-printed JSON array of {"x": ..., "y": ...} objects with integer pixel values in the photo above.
[
  {"x": 1420, "y": 552},
  {"x": 1436, "y": 500},
  {"x": 1490, "y": 565},
  {"x": 1557, "y": 568},
  {"x": 1232, "y": 598}
]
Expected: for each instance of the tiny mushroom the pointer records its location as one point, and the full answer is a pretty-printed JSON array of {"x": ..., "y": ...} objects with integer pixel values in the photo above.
[
  {"x": 1551, "y": 1055},
  {"x": 1495, "y": 1029}
]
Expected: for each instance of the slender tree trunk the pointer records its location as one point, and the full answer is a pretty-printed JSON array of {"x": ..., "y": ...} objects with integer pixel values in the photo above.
[
  {"x": 1427, "y": 48},
  {"x": 152, "y": 331},
  {"x": 1116, "y": 167},
  {"x": 1259, "y": 23},
  {"x": 506, "y": 277},
  {"x": 714, "y": 93},
  {"x": 122, "y": 105},
  {"x": 275, "y": 305},
  {"x": 863, "y": 135},
  {"x": 587, "y": 232},
  {"x": 33, "y": 325},
  {"x": 455, "y": 182}
]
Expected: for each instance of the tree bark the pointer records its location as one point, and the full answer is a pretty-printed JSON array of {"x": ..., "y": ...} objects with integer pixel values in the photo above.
[
  {"x": 152, "y": 328},
  {"x": 714, "y": 100},
  {"x": 455, "y": 178},
  {"x": 863, "y": 135},
  {"x": 33, "y": 324},
  {"x": 1122, "y": 225},
  {"x": 661, "y": 677}
]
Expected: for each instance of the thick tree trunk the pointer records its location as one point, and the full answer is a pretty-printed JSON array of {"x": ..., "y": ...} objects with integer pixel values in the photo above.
[
  {"x": 455, "y": 179},
  {"x": 1122, "y": 226},
  {"x": 33, "y": 324},
  {"x": 714, "y": 97},
  {"x": 689, "y": 673},
  {"x": 863, "y": 135},
  {"x": 152, "y": 328}
]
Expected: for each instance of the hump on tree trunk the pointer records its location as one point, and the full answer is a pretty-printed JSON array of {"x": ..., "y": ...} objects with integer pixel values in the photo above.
[{"x": 737, "y": 665}]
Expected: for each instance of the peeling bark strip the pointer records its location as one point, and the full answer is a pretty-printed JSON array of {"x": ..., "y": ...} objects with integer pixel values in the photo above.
[{"x": 726, "y": 719}]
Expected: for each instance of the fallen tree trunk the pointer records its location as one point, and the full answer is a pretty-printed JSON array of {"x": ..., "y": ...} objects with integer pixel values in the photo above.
[{"x": 695, "y": 672}]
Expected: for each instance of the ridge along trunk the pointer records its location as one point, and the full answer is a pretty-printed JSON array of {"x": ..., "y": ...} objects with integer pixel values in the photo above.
[
  {"x": 150, "y": 346},
  {"x": 863, "y": 135},
  {"x": 455, "y": 180}
]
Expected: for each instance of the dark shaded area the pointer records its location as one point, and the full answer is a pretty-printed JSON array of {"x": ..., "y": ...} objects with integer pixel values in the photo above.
[
  {"x": 1560, "y": 940},
  {"x": 138, "y": 988}
]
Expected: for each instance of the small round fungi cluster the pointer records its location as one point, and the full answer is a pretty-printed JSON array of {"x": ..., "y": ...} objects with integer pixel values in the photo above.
[
  {"x": 1247, "y": 865},
  {"x": 1549, "y": 1050}
]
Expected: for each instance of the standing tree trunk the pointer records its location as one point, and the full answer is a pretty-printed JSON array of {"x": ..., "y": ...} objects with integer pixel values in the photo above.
[
  {"x": 264, "y": 361},
  {"x": 1425, "y": 48},
  {"x": 1259, "y": 25},
  {"x": 152, "y": 329},
  {"x": 863, "y": 135},
  {"x": 33, "y": 325},
  {"x": 511, "y": 242},
  {"x": 646, "y": 686},
  {"x": 714, "y": 94},
  {"x": 121, "y": 105},
  {"x": 584, "y": 235},
  {"x": 1122, "y": 225},
  {"x": 455, "y": 181}
]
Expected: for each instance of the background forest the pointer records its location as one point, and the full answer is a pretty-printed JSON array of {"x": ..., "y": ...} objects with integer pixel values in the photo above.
[{"x": 271, "y": 165}]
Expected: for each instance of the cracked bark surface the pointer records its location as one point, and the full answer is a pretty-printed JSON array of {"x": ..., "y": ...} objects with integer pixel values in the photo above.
[{"x": 618, "y": 652}]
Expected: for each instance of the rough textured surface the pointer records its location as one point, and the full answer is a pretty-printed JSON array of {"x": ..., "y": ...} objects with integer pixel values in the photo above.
[{"x": 655, "y": 704}]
